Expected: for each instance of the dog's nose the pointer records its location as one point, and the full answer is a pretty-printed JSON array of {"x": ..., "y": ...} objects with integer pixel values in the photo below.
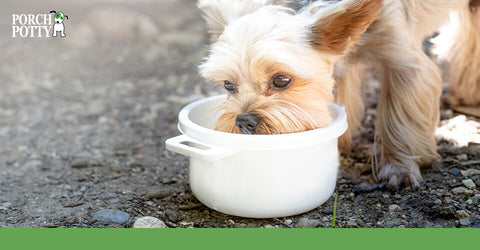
[{"x": 247, "y": 123}]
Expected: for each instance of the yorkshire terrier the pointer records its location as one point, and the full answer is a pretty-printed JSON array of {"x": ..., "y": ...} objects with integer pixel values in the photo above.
[{"x": 283, "y": 62}]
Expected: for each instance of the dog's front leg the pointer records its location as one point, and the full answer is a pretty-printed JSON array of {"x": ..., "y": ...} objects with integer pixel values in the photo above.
[
  {"x": 408, "y": 112},
  {"x": 348, "y": 91}
]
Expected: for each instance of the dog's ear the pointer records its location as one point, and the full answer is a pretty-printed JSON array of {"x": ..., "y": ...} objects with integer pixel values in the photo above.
[
  {"x": 220, "y": 13},
  {"x": 66, "y": 16},
  {"x": 53, "y": 11},
  {"x": 336, "y": 26}
]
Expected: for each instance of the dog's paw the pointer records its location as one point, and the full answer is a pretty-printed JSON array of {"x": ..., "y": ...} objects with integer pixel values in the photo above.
[{"x": 400, "y": 175}]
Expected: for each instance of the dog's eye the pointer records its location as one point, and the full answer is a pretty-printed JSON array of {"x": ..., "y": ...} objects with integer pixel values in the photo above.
[
  {"x": 230, "y": 86},
  {"x": 281, "y": 81}
]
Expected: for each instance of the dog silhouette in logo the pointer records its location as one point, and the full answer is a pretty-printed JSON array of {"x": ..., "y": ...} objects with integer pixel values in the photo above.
[{"x": 58, "y": 25}]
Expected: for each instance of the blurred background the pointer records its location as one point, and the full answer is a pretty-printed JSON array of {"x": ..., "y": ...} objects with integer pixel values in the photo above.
[
  {"x": 106, "y": 95},
  {"x": 83, "y": 120}
]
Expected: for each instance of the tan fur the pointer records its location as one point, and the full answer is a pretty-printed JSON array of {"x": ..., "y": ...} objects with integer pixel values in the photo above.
[
  {"x": 349, "y": 82},
  {"x": 464, "y": 58},
  {"x": 335, "y": 42},
  {"x": 343, "y": 26}
]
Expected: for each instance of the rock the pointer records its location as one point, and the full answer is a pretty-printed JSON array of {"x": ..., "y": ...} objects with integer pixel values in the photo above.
[
  {"x": 394, "y": 207},
  {"x": 469, "y": 184},
  {"x": 470, "y": 172},
  {"x": 111, "y": 216},
  {"x": 462, "y": 190},
  {"x": 5, "y": 206},
  {"x": 461, "y": 214},
  {"x": 464, "y": 222},
  {"x": 327, "y": 211},
  {"x": 437, "y": 202},
  {"x": 171, "y": 216},
  {"x": 469, "y": 202},
  {"x": 80, "y": 163},
  {"x": 454, "y": 171},
  {"x": 476, "y": 198},
  {"x": 462, "y": 157},
  {"x": 161, "y": 193},
  {"x": 352, "y": 224},
  {"x": 106, "y": 196},
  {"x": 446, "y": 212},
  {"x": 271, "y": 226},
  {"x": 449, "y": 200},
  {"x": 121, "y": 153},
  {"x": 149, "y": 222},
  {"x": 308, "y": 223}
]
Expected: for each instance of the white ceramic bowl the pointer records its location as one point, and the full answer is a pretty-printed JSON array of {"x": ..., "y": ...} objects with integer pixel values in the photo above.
[{"x": 258, "y": 176}]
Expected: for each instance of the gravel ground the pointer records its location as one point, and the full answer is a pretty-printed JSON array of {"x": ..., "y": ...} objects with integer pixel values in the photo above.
[{"x": 83, "y": 120}]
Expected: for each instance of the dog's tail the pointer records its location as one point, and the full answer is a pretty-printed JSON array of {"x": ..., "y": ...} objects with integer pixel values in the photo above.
[{"x": 464, "y": 57}]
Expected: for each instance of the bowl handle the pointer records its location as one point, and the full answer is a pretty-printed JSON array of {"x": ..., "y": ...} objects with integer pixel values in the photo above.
[{"x": 185, "y": 145}]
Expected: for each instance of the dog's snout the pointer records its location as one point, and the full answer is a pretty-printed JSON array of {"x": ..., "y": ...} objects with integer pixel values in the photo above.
[{"x": 247, "y": 123}]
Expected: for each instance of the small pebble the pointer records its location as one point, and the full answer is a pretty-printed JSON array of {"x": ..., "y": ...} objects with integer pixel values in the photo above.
[
  {"x": 80, "y": 163},
  {"x": 327, "y": 211},
  {"x": 447, "y": 113},
  {"x": 476, "y": 198},
  {"x": 454, "y": 171},
  {"x": 352, "y": 224},
  {"x": 171, "y": 215},
  {"x": 271, "y": 226},
  {"x": 159, "y": 193},
  {"x": 446, "y": 211},
  {"x": 394, "y": 207},
  {"x": 449, "y": 200},
  {"x": 462, "y": 157},
  {"x": 106, "y": 196},
  {"x": 476, "y": 224},
  {"x": 121, "y": 153},
  {"x": 461, "y": 214},
  {"x": 437, "y": 202},
  {"x": 308, "y": 223},
  {"x": 469, "y": 201},
  {"x": 288, "y": 221},
  {"x": 469, "y": 184},
  {"x": 461, "y": 190},
  {"x": 149, "y": 222},
  {"x": 464, "y": 221},
  {"x": 470, "y": 172},
  {"x": 111, "y": 216},
  {"x": 5, "y": 206}
]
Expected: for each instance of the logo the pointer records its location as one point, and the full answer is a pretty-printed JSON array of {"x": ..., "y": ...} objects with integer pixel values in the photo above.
[{"x": 39, "y": 25}]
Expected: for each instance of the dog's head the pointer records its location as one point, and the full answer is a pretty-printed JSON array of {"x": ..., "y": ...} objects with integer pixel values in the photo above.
[
  {"x": 59, "y": 16},
  {"x": 276, "y": 64}
]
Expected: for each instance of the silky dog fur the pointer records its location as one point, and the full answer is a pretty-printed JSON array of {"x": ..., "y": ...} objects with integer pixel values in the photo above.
[{"x": 283, "y": 65}]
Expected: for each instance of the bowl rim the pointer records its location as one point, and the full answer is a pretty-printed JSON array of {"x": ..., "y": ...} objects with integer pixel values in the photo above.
[{"x": 218, "y": 138}]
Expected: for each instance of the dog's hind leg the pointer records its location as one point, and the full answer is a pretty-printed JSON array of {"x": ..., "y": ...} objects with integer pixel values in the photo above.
[{"x": 464, "y": 57}]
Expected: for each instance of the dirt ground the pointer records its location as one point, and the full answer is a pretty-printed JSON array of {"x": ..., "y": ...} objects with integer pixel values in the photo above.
[{"x": 83, "y": 121}]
